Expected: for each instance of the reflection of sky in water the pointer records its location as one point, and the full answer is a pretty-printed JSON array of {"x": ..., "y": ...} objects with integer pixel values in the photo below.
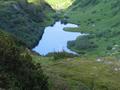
[{"x": 55, "y": 39}]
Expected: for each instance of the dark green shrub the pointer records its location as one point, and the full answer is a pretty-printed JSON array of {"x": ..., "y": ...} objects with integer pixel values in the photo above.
[
  {"x": 61, "y": 55},
  {"x": 109, "y": 47},
  {"x": 24, "y": 20},
  {"x": 83, "y": 43},
  {"x": 17, "y": 71}
]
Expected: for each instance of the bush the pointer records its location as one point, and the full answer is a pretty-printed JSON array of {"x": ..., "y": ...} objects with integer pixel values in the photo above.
[
  {"x": 83, "y": 43},
  {"x": 61, "y": 55},
  {"x": 17, "y": 72},
  {"x": 24, "y": 20},
  {"x": 109, "y": 47}
]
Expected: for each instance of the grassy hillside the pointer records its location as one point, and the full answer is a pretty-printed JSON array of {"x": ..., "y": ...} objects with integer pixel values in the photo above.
[
  {"x": 99, "y": 18},
  {"x": 24, "y": 19},
  {"x": 81, "y": 73},
  {"x": 98, "y": 67},
  {"x": 60, "y": 4}
]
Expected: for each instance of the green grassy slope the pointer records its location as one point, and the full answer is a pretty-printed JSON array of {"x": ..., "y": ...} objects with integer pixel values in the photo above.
[
  {"x": 25, "y": 19},
  {"x": 60, "y": 4},
  {"x": 20, "y": 71},
  {"x": 81, "y": 73},
  {"x": 99, "y": 18}
]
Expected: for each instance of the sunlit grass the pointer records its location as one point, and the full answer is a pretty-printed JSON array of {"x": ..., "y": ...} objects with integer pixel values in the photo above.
[
  {"x": 35, "y": 1},
  {"x": 60, "y": 4},
  {"x": 55, "y": 4}
]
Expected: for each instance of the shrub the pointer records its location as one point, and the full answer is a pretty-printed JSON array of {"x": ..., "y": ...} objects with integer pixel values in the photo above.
[
  {"x": 61, "y": 55},
  {"x": 17, "y": 71},
  {"x": 84, "y": 43}
]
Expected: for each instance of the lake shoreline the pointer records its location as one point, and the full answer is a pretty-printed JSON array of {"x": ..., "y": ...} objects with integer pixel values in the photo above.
[{"x": 57, "y": 30}]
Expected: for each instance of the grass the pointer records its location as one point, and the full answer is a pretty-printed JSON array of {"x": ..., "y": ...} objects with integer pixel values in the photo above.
[
  {"x": 60, "y": 4},
  {"x": 101, "y": 20},
  {"x": 82, "y": 73},
  {"x": 99, "y": 68},
  {"x": 91, "y": 71}
]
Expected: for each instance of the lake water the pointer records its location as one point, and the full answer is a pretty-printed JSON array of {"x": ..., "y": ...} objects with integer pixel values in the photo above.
[{"x": 55, "y": 39}]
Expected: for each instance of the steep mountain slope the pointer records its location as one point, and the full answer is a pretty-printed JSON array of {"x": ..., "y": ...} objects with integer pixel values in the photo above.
[
  {"x": 99, "y": 18},
  {"x": 25, "y": 19},
  {"x": 17, "y": 71}
]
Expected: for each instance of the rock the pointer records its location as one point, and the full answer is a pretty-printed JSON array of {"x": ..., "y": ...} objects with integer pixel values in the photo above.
[
  {"x": 93, "y": 25},
  {"x": 16, "y": 7},
  {"x": 99, "y": 60},
  {"x": 116, "y": 69},
  {"x": 108, "y": 62}
]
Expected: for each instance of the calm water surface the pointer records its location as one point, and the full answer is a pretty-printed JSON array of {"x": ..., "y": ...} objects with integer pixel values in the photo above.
[{"x": 55, "y": 39}]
